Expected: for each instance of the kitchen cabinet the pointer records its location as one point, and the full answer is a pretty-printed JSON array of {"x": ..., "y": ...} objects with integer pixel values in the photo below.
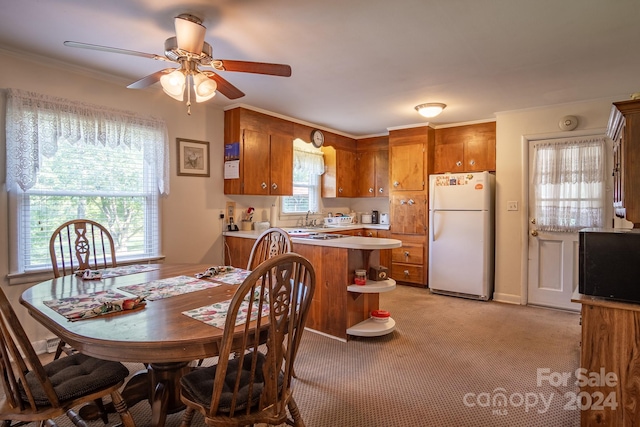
[
  {"x": 469, "y": 148},
  {"x": 411, "y": 157},
  {"x": 624, "y": 130},
  {"x": 339, "y": 179},
  {"x": 408, "y": 263},
  {"x": 372, "y": 168},
  {"x": 409, "y": 154},
  {"x": 265, "y": 150},
  {"x": 409, "y": 212}
]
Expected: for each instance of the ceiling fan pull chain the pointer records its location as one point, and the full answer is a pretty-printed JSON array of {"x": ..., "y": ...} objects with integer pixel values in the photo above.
[{"x": 189, "y": 84}]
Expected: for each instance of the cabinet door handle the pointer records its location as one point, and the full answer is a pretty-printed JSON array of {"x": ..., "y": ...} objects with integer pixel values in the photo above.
[
  {"x": 370, "y": 234},
  {"x": 411, "y": 202},
  {"x": 381, "y": 190},
  {"x": 263, "y": 185},
  {"x": 274, "y": 186},
  {"x": 458, "y": 163},
  {"x": 340, "y": 190},
  {"x": 396, "y": 183},
  {"x": 472, "y": 162},
  {"x": 406, "y": 273},
  {"x": 406, "y": 254},
  {"x": 402, "y": 202},
  {"x": 370, "y": 190}
]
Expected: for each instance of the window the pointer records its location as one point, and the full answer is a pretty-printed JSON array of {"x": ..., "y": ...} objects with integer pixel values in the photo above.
[
  {"x": 308, "y": 165},
  {"x": 99, "y": 164},
  {"x": 569, "y": 184}
]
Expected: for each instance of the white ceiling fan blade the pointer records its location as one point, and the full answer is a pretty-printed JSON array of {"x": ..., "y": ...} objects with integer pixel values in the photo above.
[
  {"x": 189, "y": 33},
  {"x": 114, "y": 50}
]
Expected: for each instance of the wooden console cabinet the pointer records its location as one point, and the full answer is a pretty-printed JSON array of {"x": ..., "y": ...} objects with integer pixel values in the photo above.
[{"x": 611, "y": 344}]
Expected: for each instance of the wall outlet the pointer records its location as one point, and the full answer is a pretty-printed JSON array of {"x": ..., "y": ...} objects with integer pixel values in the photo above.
[{"x": 512, "y": 206}]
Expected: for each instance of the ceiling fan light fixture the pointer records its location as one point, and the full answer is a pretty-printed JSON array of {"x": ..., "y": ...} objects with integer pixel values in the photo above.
[
  {"x": 204, "y": 87},
  {"x": 430, "y": 109},
  {"x": 173, "y": 84},
  {"x": 190, "y": 33}
]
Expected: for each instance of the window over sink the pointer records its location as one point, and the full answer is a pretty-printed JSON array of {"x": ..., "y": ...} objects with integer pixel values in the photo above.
[{"x": 308, "y": 165}]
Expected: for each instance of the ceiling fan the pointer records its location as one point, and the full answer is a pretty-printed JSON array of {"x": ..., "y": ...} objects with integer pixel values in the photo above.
[{"x": 190, "y": 51}]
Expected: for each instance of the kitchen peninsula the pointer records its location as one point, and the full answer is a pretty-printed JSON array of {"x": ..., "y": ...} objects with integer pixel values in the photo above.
[{"x": 339, "y": 308}]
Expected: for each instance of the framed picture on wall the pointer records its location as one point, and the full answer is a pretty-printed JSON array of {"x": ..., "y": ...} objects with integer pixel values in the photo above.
[{"x": 193, "y": 157}]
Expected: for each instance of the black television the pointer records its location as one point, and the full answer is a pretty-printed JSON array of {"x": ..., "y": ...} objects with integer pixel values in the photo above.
[{"x": 609, "y": 263}]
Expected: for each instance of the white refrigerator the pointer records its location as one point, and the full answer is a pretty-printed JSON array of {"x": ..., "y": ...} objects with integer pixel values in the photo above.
[{"x": 461, "y": 234}]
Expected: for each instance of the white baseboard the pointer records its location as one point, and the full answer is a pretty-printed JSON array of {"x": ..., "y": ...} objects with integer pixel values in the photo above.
[
  {"x": 507, "y": 298},
  {"x": 40, "y": 347}
]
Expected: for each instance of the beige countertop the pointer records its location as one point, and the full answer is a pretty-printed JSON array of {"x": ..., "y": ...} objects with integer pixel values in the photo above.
[{"x": 348, "y": 242}]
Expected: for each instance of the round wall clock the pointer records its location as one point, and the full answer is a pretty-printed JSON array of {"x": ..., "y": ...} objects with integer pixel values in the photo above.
[{"x": 317, "y": 138}]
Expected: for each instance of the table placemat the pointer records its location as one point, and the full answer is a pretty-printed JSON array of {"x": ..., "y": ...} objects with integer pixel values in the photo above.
[
  {"x": 226, "y": 274},
  {"x": 165, "y": 288},
  {"x": 216, "y": 314},
  {"x": 85, "y": 306}
]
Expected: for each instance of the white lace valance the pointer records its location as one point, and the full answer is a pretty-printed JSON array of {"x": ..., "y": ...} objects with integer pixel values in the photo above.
[
  {"x": 307, "y": 158},
  {"x": 36, "y": 123}
]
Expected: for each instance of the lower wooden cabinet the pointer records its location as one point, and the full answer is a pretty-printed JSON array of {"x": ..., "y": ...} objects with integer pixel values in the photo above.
[{"x": 408, "y": 264}]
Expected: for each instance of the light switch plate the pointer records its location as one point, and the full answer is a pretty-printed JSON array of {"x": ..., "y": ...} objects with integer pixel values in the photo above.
[{"x": 512, "y": 206}]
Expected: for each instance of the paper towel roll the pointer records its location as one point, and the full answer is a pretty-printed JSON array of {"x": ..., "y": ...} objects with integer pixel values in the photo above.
[{"x": 273, "y": 216}]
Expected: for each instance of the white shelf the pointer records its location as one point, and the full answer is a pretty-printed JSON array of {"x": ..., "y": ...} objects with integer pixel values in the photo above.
[
  {"x": 373, "y": 286},
  {"x": 372, "y": 328}
]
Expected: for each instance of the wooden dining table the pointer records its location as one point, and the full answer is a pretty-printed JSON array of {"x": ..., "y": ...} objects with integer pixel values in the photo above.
[{"x": 157, "y": 334}]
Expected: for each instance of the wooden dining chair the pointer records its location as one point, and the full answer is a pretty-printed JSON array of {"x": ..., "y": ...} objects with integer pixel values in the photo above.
[
  {"x": 256, "y": 386},
  {"x": 80, "y": 244},
  {"x": 273, "y": 241},
  {"x": 39, "y": 393}
]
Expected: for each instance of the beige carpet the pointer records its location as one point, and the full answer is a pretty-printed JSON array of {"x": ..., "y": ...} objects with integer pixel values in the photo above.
[{"x": 443, "y": 349}]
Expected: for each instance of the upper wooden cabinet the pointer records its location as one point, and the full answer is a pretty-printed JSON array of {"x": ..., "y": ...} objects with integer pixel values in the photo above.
[
  {"x": 469, "y": 148},
  {"x": 372, "y": 168},
  {"x": 624, "y": 130},
  {"x": 339, "y": 178},
  {"x": 408, "y": 156},
  {"x": 266, "y": 153}
]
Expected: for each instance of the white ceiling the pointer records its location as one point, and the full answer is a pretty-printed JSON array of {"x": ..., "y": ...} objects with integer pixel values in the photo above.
[{"x": 360, "y": 66}]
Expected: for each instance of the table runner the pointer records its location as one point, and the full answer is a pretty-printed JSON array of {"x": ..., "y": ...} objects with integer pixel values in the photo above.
[
  {"x": 85, "y": 306},
  {"x": 165, "y": 288},
  {"x": 128, "y": 269}
]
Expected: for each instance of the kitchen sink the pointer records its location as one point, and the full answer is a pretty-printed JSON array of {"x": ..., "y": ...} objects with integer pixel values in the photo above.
[{"x": 322, "y": 236}]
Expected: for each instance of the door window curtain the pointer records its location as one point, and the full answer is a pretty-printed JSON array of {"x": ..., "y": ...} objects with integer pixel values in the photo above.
[
  {"x": 37, "y": 123},
  {"x": 569, "y": 183}
]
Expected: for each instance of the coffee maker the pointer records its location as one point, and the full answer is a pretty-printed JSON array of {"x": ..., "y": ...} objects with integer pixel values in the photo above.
[{"x": 375, "y": 217}]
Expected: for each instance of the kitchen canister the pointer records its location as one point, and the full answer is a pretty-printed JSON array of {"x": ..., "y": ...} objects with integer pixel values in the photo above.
[{"x": 365, "y": 219}]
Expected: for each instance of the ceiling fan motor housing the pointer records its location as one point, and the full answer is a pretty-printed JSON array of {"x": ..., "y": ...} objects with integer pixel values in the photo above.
[{"x": 174, "y": 53}]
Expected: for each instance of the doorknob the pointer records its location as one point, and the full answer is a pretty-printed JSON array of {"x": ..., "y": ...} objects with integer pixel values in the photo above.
[
  {"x": 534, "y": 233},
  {"x": 533, "y": 220}
]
